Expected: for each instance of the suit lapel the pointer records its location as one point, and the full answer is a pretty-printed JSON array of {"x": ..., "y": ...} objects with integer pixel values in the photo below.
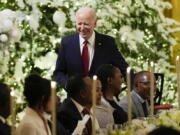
[
  {"x": 139, "y": 109},
  {"x": 76, "y": 51},
  {"x": 75, "y": 112},
  {"x": 97, "y": 49}
]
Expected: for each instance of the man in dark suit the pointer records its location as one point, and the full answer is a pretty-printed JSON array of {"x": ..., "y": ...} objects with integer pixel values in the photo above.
[
  {"x": 140, "y": 95},
  {"x": 86, "y": 50},
  {"x": 79, "y": 98},
  {"x": 4, "y": 109}
]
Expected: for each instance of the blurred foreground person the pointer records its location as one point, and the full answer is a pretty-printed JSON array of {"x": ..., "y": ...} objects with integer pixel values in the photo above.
[
  {"x": 4, "y": 109},
  {"x": 37, "y": 94}
]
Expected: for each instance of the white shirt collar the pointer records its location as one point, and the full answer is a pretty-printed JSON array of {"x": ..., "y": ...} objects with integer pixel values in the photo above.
[
  {"x": 2, "y": 119},
  {"x": 91, "y": 40},
  {"x": 140, "y": 98}
]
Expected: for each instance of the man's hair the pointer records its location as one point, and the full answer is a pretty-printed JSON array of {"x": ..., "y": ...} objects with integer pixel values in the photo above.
[
  {"x": 75, "y": 84},
  {"x": 138, "y": 76},
  {"x": 4, "y": 94},
  {"x": 37, "y": 90},
  {"x": 104, "y": 72},
  {"x": 87, "y": 9}
]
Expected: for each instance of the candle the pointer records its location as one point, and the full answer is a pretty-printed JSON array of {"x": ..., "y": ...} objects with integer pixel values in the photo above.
[
  {"x": 129, "y": 93},
  {"x": 152, "y": 89},
  {"x": 53, "y": 101},
  {"x": 178, "y": 78},
  {"x": 13, "y": 112},
  {"x": 94, "y": 104}
]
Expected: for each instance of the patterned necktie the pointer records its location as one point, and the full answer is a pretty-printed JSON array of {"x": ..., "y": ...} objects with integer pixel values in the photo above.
[
  {"x": 145, "y": 109},
  {"x": 85, "y": 57},
  {"x": 88, "y": 128}
]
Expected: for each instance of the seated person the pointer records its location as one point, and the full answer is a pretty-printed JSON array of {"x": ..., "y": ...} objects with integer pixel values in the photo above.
[
  {"x": 140, "y": 95},
  {"x": 110, "y": 77},
  {"x": 76, "y": 106},
  {"x": 37, "y": 94},
  {"x": 4, "y": 109},
  {"x": 104, "y": 111}
]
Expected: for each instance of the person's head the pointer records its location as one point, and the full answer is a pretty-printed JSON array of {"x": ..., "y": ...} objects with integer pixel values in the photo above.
[
  {"x": 164, "y": 131},
  {"x": 98, "y": 92},
  {"x": 37, "y": 91},
  {"x": 110, "y": 77},
  {"x": 85, "y": 22},
  {"x": 79, "y": 87},
  {"x": 4, "y": 100},
  {"x": 142, "y": 84}
]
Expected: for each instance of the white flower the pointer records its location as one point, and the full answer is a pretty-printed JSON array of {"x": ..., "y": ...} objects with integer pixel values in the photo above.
[
  {"x": 46, "y": 62},
  {"x": 21, "y": 3},
  {"x": 18, "y": 70},
  {"x": 3, "y": 38},
  {"x": 5, "y": 25},
  {"x": 59, "y": 18},
  {"x": 125, "y": 28},
  {"x": 15, "y": 34},
  {"x": 7, "y": 13},
  {"x": 34, "y": 22}
]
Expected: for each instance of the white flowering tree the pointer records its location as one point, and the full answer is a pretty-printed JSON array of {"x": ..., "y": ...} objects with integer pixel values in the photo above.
[{"x": 142, "y": 33}]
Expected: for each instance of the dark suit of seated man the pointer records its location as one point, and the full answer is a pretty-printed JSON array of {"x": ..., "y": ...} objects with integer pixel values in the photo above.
[
  {"x": 4, "y": 109},
  {"x": 101, "y": 49},
  {"x": 79, "y": 89},
  {"x": 140, "y": 95}
]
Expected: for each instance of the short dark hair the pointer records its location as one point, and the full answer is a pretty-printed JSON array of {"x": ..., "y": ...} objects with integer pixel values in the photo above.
[
  {"x": 103, "y": 72},
  {"x": 37, "y": 90},
  {"x": 75, "y": 84},
  {"x": 163, "y": 130},
  {"x": 4, "y": 94}
]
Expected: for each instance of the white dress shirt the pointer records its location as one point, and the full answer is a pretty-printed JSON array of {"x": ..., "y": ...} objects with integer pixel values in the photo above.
[
  {"x": 32, "y": 124},
  {"x": 80, "y": 109},
  {"x": 91, "y": 44}
]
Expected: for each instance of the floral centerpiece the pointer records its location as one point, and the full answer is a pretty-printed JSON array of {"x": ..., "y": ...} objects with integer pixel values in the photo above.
[{"x": 143, "y": 126}]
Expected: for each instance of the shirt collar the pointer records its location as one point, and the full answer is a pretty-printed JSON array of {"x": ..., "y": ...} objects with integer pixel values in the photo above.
[
  {"x": 90, "y": 40},
  {"x": 2, "y": 119},
  {"x": 139, "y": 97},
  {"x": 78, "y": 106}
]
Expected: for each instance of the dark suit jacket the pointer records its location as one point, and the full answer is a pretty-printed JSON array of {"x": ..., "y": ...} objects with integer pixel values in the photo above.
[
  {"x": 69, "y": 58},
  {"x": 69, "y": 115},
  {"x": 4, "y": 129}
]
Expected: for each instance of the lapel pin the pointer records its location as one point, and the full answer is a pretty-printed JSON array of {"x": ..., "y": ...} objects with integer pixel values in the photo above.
[{"x": 99, "y": 44}]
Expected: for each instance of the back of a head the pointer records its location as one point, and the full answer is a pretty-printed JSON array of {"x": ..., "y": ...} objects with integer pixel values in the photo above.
[
  {"x": 104, "y": 72},
  {"x": 164, "y": 131},
  {"x": 36, "y": 90},
  {"x": 4, "y": 94},
  {"x": 4, "y": 99},
  {"x": 75, "y": 84}
]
